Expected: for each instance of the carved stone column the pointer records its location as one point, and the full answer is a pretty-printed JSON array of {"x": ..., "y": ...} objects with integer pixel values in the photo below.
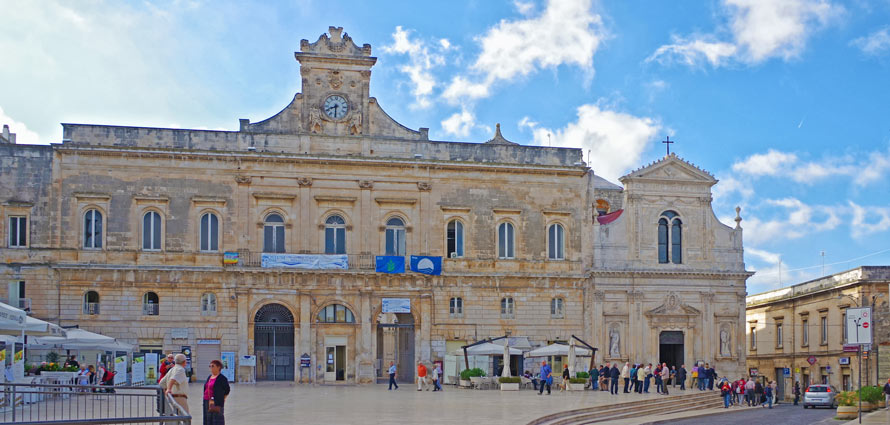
[{"x": 305, "y": 345}]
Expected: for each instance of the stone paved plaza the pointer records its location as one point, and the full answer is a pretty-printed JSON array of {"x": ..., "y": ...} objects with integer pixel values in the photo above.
[{"x": 271, "y": 404}]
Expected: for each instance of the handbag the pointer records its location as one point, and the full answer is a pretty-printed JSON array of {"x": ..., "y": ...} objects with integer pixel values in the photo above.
[{"x": 214, "y": 409}]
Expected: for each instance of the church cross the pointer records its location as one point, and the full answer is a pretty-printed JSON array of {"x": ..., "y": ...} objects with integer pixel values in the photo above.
[{"x": 667, "y": 144}]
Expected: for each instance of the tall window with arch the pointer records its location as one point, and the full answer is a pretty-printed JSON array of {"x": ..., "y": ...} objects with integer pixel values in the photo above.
[
  {"x": 92, "y": 229},
  {"x": 273, "y": 233},
  {"x": 454, "y": 239},
  {"x": 150, "y": 304},
  {"x": 556, "y": 235},
  {"x": 209, "y": 232},
  {"x": 91, "y": 303},
  {"x": 506, "y": 241},
  {"x": 208, "y": 303},
  {"x": 335, "y": 235},
  {"x": 395, "y": 237},
  {"x": 336, "y": 313},
  {"x": 670, "y": 238},
  {"x": 151, "y": 231}
]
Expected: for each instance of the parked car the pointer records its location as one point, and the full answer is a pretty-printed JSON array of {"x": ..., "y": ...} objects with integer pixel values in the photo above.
[{"x": 820, "y": 395}]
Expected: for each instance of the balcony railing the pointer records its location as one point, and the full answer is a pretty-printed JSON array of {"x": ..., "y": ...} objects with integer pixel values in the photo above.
[
  {"x": 91, "y": 308},
  {"x": 150, "y": 309}
]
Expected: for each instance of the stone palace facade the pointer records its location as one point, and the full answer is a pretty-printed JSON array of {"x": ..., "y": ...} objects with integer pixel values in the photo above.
[{"x": 223, "y": 240}]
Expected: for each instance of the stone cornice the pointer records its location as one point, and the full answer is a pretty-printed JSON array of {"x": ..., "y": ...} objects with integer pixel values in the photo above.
[{"x": 701, "y": 274}]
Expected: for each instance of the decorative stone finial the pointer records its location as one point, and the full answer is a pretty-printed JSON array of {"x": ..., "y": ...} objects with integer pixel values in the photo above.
[
  {"x": 738, "y": 217},
  {"x": 499, "y": 139}
]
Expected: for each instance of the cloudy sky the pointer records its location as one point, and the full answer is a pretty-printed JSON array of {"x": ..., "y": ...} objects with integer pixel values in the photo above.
[{"x": 785, "y": 101}]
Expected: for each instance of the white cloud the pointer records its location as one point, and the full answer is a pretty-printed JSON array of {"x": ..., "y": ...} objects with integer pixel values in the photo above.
[
  {"x": 616, "y": 139},
  {"x": 730, "y": 185},
  {"x": 876, "y": 43},
  {"x": 524, "y": 7},
  {"x": 863, "y": 169},
  {"x": 796, "y": 220},
  {"x": 565, "y": 32},
  {"x": 23, "y": 135},
  {"x": 460, "y": 123},
  {"x": 764, "y": 256},
  {"x": 422, "y": 59},
  {"x": 868, "y": 220},
  {"x": 759, "y": 30}
]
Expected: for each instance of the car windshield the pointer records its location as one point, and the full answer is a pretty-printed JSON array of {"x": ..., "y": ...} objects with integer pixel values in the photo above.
[{"x": 818, "y": 389}]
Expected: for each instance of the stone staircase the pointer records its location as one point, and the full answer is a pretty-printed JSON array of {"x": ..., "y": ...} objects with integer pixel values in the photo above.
[{"x": 633, "y": 409}]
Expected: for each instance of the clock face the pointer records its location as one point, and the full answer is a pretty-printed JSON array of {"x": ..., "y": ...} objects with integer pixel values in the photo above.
[{"x": 336, "y": 106}]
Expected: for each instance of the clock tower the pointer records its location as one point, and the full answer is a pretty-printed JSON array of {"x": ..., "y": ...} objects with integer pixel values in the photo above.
[{"x": 336, "y": 75}]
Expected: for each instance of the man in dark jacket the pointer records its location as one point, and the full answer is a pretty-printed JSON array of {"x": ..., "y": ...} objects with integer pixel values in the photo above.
[
  {"x": 712, "y": 376},
  {"x": 681, "y": 377},
  {"x": 615, "y": 374}
]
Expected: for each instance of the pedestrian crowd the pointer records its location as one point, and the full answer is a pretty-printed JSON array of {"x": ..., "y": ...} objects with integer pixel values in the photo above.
[{"x": 175, "y": 381}]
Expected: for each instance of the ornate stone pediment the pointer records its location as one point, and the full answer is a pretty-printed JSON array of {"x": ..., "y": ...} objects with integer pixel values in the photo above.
[
  {"x": 673, "y": 307},
  {"x": 671, "y": 168}
]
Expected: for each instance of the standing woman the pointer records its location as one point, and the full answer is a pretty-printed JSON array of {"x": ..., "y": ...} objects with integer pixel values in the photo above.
[{"x": 216, "y": 390}]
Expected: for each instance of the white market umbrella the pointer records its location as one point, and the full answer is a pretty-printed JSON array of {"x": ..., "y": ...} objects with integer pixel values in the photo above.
[
  {"x": 487, "y": 349},
  {"x": 557, "y": 350},
  {"x": 12, "y": 319},
  {"x": 506, "y": 368},
  {"x": 572, "y": 350},
  {"x": 113, "y": 346},
  {"x": 76, "y": 336}
]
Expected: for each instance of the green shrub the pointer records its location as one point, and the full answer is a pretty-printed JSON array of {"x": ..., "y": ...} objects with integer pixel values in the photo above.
[
  {"x": 584, "y": 375},
  {"x": 577, "y": 380},
  {"x": 52, "y": 357},
  {"x": 466, "y": 374},
  {"x": 871, "y": 394},
  {"x": 847, "y": 398},
  {"x": 509, "y": 380}
]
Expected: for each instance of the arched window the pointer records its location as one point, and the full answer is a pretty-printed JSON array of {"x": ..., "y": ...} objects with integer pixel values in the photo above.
[
  {"x": 92, "y": 229},
  {"x": 456, "y": 307},
  {"x": 557, "y": 308},
  {"x": 150, "y": 304},
  {"x": 670, "y": 238},
  {"x": 336, "y": 313},
  {"x": 91, "y": 303},
  {"x": 506, "y": 241},
  {"x": 209, "y": 232},
  {"x": 151, "y": 231},
  {"x": 335, "y": 235},
  {"x": 208, "y": 303},
  {"x": 395, "y": 237},
  {"x": 273, "y": 233},
  {"x": 454, "y": 239},
  {"x": 556, "y": 242},
  {"x": 507, "y": 308}
]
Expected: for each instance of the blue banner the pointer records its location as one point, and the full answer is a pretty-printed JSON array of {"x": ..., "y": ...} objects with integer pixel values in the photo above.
[
  {"x": 306, "y": 261},
  {"x": 396, "y": 305},
  {"x": 426, "y": 265},
  {"x": 390, "y": 264}
]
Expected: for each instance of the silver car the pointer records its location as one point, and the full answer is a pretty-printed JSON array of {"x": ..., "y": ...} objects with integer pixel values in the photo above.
[{"x": 820, "y": 395}]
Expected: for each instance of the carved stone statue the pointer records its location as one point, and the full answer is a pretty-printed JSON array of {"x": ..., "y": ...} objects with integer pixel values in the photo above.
[
  {"x": 614, "y": 343},
  {"x": 355, "y": 123},
  {"x": 724, "y": 343},
  {"x": 316, "y": 125}
]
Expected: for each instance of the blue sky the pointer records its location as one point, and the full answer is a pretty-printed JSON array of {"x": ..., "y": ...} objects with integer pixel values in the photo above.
[{"x": 785, "y": 101}]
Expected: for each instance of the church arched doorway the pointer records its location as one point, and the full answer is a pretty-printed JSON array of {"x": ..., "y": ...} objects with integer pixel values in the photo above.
[
  {"x": 395, "y": 343},
  {"x": 274, "y": 343},
  {"x": 670, "y": 348}
]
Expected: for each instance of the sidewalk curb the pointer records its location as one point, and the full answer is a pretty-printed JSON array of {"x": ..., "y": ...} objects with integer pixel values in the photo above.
[{"x": 866, "y": 416}]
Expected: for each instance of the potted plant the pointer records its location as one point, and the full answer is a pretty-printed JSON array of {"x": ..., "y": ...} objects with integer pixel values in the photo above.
[
  {"x": 577, "y": 384},
  {"x": 475, "y": 375},
  {"x": 465, "y": 378},
  {"x": 847, "y": 405},
  {"x": 870, "y": 395},
  {"x": 509, "y": 383}
]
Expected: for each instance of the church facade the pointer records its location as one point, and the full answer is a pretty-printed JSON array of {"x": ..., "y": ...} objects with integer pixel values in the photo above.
[{"x": 270, "y": 241}]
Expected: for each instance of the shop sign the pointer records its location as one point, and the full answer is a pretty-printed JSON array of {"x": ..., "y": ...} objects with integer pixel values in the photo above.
[
  {"x": 249, "y": 361},
  {"x": 850, "y": 348},
  {"x": 396, "y": 305},
  {"x": 786, "y": 372},
  {"x": 305, "y": 360},
  {"x": 179, "y": 333},
  {"x": 844, "y": 360}
]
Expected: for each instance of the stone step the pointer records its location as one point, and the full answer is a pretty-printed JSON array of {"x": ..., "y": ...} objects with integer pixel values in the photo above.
[{"x": 643, "y": 407}]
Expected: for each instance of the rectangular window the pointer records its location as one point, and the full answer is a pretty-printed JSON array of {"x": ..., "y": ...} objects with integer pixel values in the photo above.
[
  {"x": 805, "y": 328},
  {"x": 778, "y": 335},
  {"x": 456, "y": 309},
  {"x": 507, "y": 308},
  {"x": 18, "y": 232},
  {"x": 662, "y": 241},
  {"x": 845, "y": 326},
  {"x": 753, "y": 338},
  {"x": 824, "y": 325}
]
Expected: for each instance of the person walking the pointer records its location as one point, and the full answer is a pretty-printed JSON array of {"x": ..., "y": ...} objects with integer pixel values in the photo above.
[
  {"x": 177, "y": 383},
  {"x": 615, "y": 374},
  {"x": 421, "y": 376},
  {"x": 604, "y": 377},
  {"x": 673, "y": 377},
  {"x": 665, "y": 376},
  {"x": 681, "y": 376},
  {"x": 633, "y": 377},
  {"x": 768, "y": 393},
  {"x": 648, "y": 375},
  {"x": 166, "y": 365},
  {"x": 712, "y": 377},
  {"x": 743, "y": 397},
  {"x": 392, "y": 376},
  {"x": 546, "y": 377},
  {"x": 436, "y": 386},
  {"x": 750, "y": 388},
  {"x": 797, "y": 391},
  {"x": 657, "y": 374},
  {"x": 641, "y": 376},
  {"x": 625, "y": 375},
  {"x": 887, "y": 394},
  {"x": 565, "y": 378},
  {"x": 726, "y": 393},
  {"x": 216, "y": 390},
  {"x": 694, "y": 383},
  {"x": 758, "y": 393}
]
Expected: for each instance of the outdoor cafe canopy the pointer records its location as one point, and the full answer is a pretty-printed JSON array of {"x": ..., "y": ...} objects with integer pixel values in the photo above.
[
  {"x": 487, "y": 349},
  {"x": 15, "y": 322},
  {"x": 557, "y": 350}
]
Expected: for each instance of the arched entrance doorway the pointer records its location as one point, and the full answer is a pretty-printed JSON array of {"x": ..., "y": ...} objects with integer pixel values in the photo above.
[
  {"x": 273, "y": 337},
  {"x": 395, "y": 343}
]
